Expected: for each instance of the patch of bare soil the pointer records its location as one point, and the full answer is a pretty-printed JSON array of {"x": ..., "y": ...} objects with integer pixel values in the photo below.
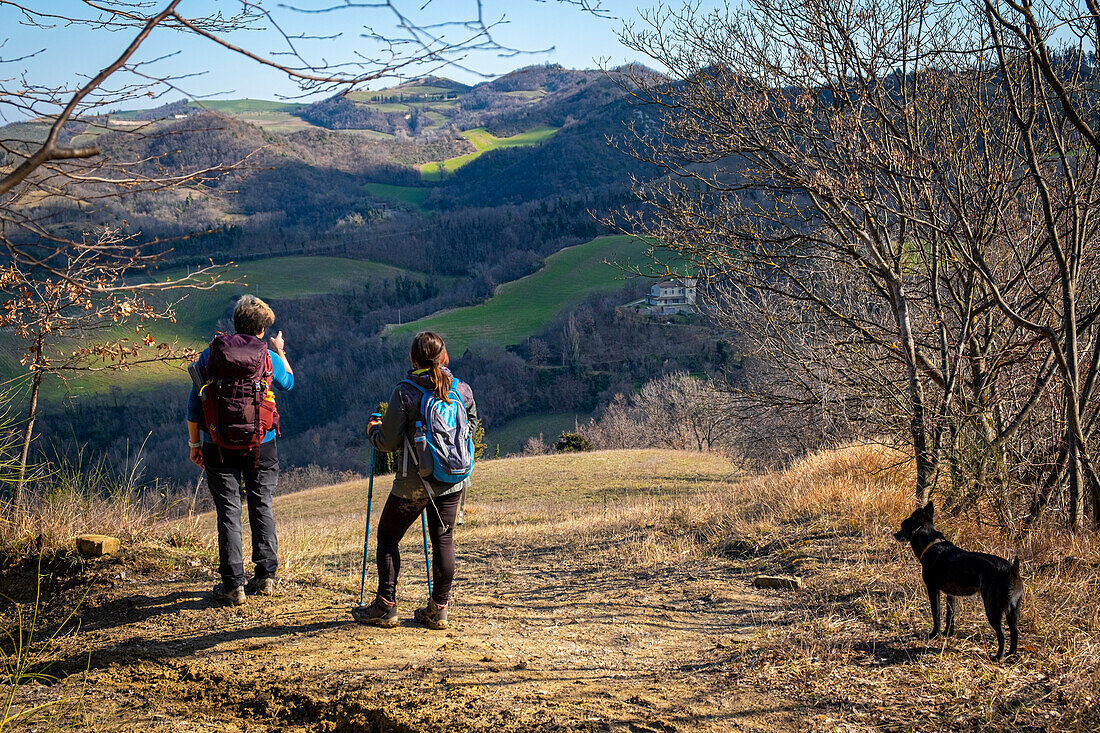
[{"x": 543, "y": 638}]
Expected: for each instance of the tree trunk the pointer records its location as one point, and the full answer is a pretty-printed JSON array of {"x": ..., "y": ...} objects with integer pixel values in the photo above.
[
  {"x": 1094, "y": 490},
  {"x": 1050, "y": 485},
  {"x": 1072, "y": 405},
  {"x": 1092, "y": 485},
  {"x": 1076, "y": 496},
  {"x": 28, "y": 433},
  {"x": 918, "y": 417}
]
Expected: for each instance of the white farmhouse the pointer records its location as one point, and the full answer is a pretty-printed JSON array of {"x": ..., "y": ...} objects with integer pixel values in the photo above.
[{"x": 673, "y": 295}]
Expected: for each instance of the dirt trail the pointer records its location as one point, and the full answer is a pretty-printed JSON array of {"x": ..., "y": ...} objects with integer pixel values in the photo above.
[
  {"x": 581, "y": 603},
  {"x": 539, "y": 640},
  {"x": 601, "y": 592}
]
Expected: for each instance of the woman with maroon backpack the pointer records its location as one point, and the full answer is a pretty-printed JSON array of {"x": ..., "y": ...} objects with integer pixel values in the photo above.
[
  {"x": 232, "y": 408},
  {"x": 430, "y": 418}
]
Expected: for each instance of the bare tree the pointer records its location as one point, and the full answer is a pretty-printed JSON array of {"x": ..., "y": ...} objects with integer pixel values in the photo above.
[
  {"x": 70, "y": 328},
  {"x": 835, "y": 171},
  {"x": 1052, "y": 101},
  {"x": 676, "y": 411}
]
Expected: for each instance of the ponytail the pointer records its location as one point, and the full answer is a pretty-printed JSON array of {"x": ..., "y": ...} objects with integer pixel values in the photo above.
[
  {"x": 442, "y": 382},
  {"x": 429, "y": 352}
]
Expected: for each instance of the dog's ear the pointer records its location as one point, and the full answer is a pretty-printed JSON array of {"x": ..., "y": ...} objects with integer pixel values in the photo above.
[{"x": 929, "y": 509}]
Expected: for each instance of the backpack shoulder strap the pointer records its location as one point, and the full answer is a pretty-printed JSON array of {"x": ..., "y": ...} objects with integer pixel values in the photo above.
[
  {"x": 418, "y": 388},
  {"x": 213, "y": 354},
  {"x": 410, "y": 399},
  {"x": 425, "y": 394},
  {"x": 454, "y": 391},
  {"x": 269, "y": 369}
]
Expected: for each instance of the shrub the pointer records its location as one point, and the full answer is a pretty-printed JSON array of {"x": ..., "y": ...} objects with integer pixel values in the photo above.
[
  {"x": 535, "y": 446},
  {"x": 676, "y": 411},
  {"x": 572, "y": 443}
]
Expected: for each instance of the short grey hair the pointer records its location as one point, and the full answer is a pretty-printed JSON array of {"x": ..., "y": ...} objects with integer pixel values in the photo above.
[{"x": 251, "y": 315}]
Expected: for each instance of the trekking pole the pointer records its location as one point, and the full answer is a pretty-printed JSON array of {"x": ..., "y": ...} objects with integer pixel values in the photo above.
[
  {"x": 366, "y": 532},
  {"x": 427, "y": 560}
]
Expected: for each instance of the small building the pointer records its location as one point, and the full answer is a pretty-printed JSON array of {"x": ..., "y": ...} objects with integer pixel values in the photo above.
[{"x": 672, "y": 295}]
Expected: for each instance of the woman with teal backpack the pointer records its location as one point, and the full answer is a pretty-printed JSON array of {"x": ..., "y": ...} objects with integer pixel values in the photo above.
[{"x": 431, "y": 418}]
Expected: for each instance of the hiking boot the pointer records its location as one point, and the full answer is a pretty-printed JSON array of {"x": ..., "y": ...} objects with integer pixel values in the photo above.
[
  {"x": 230, "y": 596},
  {"x": 433, "y": 615},
  {"x": 379, "y": 613},
  {"x": 260, "y": 586}
]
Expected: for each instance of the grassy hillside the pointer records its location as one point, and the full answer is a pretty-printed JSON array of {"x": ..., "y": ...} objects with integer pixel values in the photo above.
[
  {"x": 412, "y": 195},
  {"x": 415, "y": 90},
  {"x": 589, "y": 478},
  {"x": 272, "y": 116},
  {"x": 272, "y": 279},
  {"x": 245, "y": 106},
  {"x": 484, "y": 141},
  {"x": 519, "y": 309},
  {"x": 513, "y": 434}
]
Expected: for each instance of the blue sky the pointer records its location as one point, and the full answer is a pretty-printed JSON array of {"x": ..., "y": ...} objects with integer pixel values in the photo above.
[{"x": 575, "y": 39}]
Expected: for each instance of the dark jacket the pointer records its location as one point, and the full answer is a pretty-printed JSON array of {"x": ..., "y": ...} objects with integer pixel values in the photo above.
[{"x": 398, "y": 426}]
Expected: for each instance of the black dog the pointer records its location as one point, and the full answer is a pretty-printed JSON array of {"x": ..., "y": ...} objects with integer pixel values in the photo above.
[{"x": 956, "y": 572}]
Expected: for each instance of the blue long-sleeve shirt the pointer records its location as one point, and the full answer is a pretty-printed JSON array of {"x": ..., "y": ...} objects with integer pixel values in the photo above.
[{"x": 281, "y": 378}]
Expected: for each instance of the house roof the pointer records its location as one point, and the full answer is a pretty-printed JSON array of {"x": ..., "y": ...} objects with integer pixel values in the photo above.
[{"x": 687, "y": 282}]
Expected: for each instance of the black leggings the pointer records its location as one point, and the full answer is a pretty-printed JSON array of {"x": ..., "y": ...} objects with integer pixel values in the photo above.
[{"x": 397, "y": 516}]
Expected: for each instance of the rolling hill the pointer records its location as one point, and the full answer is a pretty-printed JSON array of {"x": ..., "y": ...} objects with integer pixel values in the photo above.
[
  {"x": 520, "y": 308},
  {"x": 338, "y": 187},
  {"x": 278, "y": 278},
  {"x": 518, "y": 102},
  {"x": 484, "y": 141},
  {"x": 536, "y": 133}
]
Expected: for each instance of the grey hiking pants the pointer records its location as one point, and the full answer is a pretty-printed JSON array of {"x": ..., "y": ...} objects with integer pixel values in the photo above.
[{"x": 230, "y": 473}]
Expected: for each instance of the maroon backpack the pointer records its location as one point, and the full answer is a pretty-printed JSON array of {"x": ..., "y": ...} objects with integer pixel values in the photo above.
[{"x": 238, "y": 404}]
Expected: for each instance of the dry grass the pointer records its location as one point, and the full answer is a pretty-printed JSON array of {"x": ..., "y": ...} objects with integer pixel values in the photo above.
[
  {"x": 48, "y": 525},
  {"x": 561, "y": 500},
  {"x": 47, "y": 522},
  {"x": 850, "y": 647},
  {"x": 854, "y": 643}
]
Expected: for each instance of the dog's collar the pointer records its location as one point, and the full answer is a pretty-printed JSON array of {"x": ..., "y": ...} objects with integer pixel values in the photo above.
[{"x": 928, "y": 547}]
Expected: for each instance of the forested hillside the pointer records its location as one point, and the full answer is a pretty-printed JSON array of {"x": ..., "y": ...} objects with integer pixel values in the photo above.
[{"x": 534, "y": 159}]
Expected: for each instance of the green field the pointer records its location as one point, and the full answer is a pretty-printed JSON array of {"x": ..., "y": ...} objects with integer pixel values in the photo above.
[
  {"x": 521, "y": 308},
  {"x": 513, "y": 434},
  {"x": 484, "y": 141},
  {"x": 369, "y": 134},
  {"x": 271, "y": 116},
  {"x": 390, "y": 106},
  {"x": 412, "y": 195},
  {"x": 245, "y": 106},
  {"x": 275, "y": 278},
  {"x": 528, "y": 94},
  {"x": 412, "y": 92}
]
